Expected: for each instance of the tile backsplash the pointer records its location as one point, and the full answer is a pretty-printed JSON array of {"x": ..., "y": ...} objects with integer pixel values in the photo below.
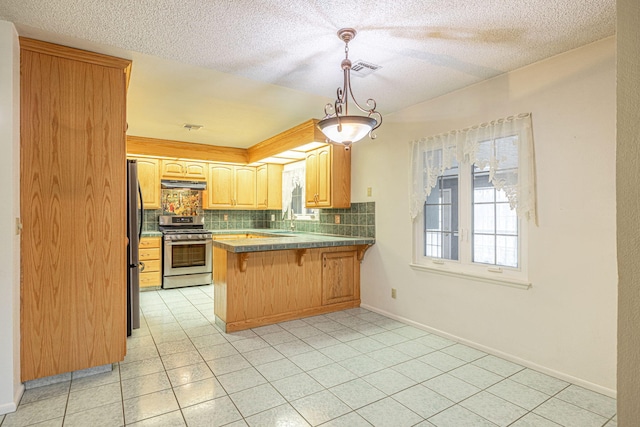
[{"x": 358, "y": 220}]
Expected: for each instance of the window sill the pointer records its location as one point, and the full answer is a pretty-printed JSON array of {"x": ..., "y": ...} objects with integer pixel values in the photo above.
[{"x": 504, "y": 281}]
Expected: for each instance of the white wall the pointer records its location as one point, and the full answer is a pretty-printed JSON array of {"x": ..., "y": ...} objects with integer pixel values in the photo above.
[
  {"x": 10, "y": 386},
  {"x": 566, "y": 323},
  {"x": 628, "y": 177}
]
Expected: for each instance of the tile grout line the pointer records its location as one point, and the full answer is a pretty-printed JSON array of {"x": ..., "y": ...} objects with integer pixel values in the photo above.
[{"x": 167, "y": 309}]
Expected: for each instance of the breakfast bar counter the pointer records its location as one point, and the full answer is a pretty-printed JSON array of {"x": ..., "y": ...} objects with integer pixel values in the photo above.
[{"x": 262, "y": 277}]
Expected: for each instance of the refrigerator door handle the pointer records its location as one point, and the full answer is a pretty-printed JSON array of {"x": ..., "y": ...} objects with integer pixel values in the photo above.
[{"x": 141, "y": 212}]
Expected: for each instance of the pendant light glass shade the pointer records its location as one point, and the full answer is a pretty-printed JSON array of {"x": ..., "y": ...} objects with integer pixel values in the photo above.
[
  {"x": 338, "y": 125},
  {"x": 347, "y": 129}
]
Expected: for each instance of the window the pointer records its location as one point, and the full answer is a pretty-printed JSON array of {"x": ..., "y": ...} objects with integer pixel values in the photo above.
[
  {"x": 293, "y": 196},
  {"x": 441, "y": 217},
  {"x": 472, "y": 194}
]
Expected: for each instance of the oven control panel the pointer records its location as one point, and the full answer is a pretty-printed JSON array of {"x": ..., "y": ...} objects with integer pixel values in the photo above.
[{"x": 190, "y": 236}]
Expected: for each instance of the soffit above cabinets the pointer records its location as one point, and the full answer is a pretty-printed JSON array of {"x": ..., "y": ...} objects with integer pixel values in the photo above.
[{"x": 287, "y": 147}]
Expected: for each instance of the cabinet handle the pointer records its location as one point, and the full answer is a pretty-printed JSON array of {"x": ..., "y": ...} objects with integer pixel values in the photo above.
[{"x": 324, "y": 261}]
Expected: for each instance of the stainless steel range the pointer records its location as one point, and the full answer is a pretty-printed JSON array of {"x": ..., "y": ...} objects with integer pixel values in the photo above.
[{"x": 187, "y": 251}]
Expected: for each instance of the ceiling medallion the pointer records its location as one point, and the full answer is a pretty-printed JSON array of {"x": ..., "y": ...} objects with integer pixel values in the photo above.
[{"x": 337, "y": 125}]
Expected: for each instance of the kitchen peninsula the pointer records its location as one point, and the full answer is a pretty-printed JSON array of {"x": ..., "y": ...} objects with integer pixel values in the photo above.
[{"x": 262, "y": 277}]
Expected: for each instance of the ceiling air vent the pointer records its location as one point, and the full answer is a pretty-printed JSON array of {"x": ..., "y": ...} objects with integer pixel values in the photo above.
[
  {"x": 362, "y": 68},
  {"x": 189, "y": 126}
]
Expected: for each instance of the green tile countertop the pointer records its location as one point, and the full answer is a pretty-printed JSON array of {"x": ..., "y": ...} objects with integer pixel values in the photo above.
[
  {"x": 274, "y": 240},
  {"x": 151, "y": 234}
]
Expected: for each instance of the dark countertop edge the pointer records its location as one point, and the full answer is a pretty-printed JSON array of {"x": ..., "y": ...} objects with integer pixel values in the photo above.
[
  {"x": 279, "y": 240},
  {"x": 151, "y": 234},
  {"x": 252, "y": 247},
  {"x": 285, "y": 240}
]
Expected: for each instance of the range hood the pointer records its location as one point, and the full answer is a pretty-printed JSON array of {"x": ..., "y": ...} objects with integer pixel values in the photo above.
[{"x": 172, "y": 184}]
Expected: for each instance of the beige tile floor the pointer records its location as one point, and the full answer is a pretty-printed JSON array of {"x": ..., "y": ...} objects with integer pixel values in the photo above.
[{"x": 351, "y": 368}]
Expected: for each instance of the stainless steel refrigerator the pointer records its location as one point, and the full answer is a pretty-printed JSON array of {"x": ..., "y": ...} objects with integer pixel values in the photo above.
[{"x": 135, "y": 215}]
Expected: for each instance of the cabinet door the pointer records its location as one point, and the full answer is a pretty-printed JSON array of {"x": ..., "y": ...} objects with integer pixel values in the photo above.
[
  {"x": 149, "y": 178},
  {"x": 220, "y": 188},
  {"x": 311, "y": 179},
  {"x": 323, "y": 183},
  {"x": 245, "y": 185},
  {"x": 269, "y": 186},
  {"x": 73, "y": 170},
  {"x": 262, "y": 187},
  {"x": 339, "y": 277},
  {"x": 195, "y": 170},
  {"x": 172, "y": 169}
]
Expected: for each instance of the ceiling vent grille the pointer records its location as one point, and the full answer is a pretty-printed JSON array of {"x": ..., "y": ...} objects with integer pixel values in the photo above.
[{"x": 362, "y": 68}]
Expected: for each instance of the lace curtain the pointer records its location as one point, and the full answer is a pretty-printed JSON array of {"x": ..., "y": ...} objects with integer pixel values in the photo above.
[
  {"x": 504, "y": 147},
  {"x": 293, "y": 175}
]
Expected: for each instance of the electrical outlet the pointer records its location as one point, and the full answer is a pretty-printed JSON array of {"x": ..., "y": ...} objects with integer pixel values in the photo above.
[
  {"x": 393, "y": 293},
  {"x": 337, "y": 219},
  {"x": 226, "y": 217},
  {"x": 368, "y": 191},
  {"x": 273, "y": 217}
]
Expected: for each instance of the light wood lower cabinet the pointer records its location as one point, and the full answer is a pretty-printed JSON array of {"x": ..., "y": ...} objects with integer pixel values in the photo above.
[
  {"x": 260, "y": 288},
  {"x": 339, "y": 277},
  {"x": 150, "y": 253}
]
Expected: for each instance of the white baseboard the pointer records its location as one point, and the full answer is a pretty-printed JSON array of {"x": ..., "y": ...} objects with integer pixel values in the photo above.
[
  {"x": 566, "y": 377},
  {"x": 6, "y": 408}
]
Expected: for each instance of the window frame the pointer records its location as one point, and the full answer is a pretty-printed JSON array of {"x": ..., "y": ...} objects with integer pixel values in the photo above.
[{"x": 465, "y": 266}]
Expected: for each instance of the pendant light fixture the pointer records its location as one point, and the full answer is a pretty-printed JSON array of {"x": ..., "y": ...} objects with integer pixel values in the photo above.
[{"x": 337, "y": 125}]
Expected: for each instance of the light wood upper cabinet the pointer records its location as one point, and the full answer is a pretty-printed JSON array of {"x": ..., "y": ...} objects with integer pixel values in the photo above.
[
  {"x": 179, "y": 169},
  {"x": 231, "y": 187},
  {"x": 73, "y": 307},
  {"x": 149, "y": 179},
  {"x": 328, "y": 177},
  {"x": 269, "y": 186},
  {"x": 245, "y": 186}
]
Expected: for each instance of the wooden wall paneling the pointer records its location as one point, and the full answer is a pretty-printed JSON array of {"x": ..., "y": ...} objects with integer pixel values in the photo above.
[{"x": 73, "y": 292}]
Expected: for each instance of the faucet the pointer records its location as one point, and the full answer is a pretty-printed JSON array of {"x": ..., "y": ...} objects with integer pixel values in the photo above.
[{"x": 293, "y": 225}]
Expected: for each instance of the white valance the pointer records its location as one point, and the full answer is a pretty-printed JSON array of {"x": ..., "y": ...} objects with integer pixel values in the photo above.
[{"x": 503, "y": 146}]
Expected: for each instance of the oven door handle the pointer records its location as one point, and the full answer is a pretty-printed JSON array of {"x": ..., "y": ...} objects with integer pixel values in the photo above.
[{"x": 187, "y": 242}]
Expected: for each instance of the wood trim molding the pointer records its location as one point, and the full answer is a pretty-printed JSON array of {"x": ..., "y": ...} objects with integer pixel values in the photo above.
[
  {"x": 243, "y": 258},
  {"x": 292, "y": 138},
  {"x": 73, "y": 53},
  {"x": 362, "y": 249},
  {"x": 140, "y": 145},
  {"x": 300, "y": 253}
]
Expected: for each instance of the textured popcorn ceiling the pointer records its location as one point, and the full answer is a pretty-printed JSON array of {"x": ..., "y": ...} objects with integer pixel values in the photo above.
[{"x": 248, "y": 69}]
